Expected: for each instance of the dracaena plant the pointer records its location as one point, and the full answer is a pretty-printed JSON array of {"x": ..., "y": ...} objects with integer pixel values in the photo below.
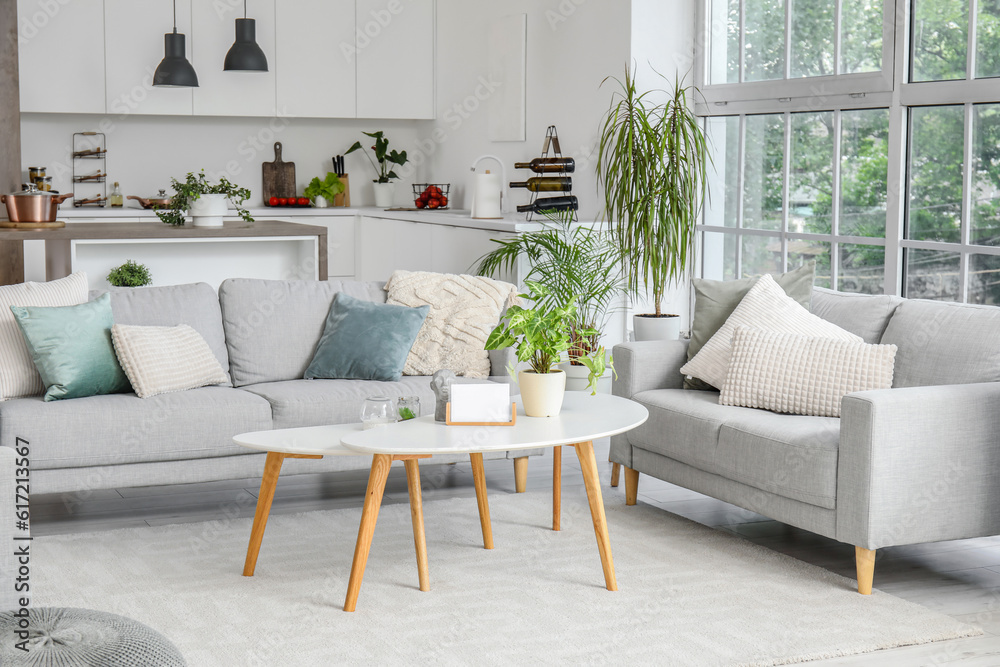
[
  {"x": 384, "y": 158},
  {"x": 542, "y": 334}
]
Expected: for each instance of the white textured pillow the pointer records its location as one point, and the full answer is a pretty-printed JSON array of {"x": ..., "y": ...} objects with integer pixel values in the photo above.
[
  {"x": 464, "y": 310},
  {"x": 158, "y": 360},
  {"x": 18, "y": 375},
  {"x": 787, "y": 372}
]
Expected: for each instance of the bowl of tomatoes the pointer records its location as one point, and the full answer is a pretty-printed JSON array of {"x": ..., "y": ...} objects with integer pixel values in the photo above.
[{"x": 431, "y": 195}]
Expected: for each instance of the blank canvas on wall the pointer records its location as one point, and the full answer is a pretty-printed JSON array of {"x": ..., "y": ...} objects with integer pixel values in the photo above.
[{"x": 507, "y": 67}]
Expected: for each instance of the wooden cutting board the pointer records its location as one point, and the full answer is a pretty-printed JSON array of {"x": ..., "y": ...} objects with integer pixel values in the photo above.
[{"x": 279, "y": 176}]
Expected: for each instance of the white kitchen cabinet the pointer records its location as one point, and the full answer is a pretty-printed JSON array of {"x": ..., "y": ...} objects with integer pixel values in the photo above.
[
  {"x": 222, "y": 93},
  {"x": 314, "y": 76},
  {"x": 395, "y": 58},
  {"x": 133, "y": 49},
  {"x": 61, "y": 55}
]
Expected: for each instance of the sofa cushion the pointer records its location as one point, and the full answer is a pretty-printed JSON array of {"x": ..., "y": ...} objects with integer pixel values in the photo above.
[
  {"x": 273, "y": 326},
  {"x": 196, "y": 305},
  {"x": 944, "y": 343},
  {"x": 865, "y": 315},
  {"x": 158, "y": 360},
  {"x": 790, "y": 455},
  {"x": 123, "y": 428}
]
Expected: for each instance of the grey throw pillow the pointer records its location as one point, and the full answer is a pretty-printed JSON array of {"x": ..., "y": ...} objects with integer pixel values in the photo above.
[{"x": 715, "y": 301}]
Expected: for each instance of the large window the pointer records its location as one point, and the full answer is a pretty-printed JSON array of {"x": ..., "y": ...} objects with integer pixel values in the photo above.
[{"x": 859, "y": 133}]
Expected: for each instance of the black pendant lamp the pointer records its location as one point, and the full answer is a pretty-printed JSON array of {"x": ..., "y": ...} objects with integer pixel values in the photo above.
[
  {"x": 174, "y": 71},
  {"x": 244, "y": 55}
]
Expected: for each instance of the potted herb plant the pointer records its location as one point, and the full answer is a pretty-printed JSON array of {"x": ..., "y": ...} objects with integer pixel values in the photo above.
[
  {"x": 577, "y": 264},
  {"x": 322, "y": 193},
  {"x": 540, "y": 335},
  {"x": 130, "y": 274},
  {"x": 652, "y": 161},
  {"x": 382, "y": 164},
  {"x": 205, "y": 201}
]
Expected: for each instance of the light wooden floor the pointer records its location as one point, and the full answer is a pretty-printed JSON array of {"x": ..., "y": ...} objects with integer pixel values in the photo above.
[{"x": 960, "y": 578}]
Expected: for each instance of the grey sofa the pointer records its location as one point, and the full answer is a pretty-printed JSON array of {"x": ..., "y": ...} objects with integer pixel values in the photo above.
[
  {"x": 264, "y": 334},
  {"x": 916, "y": 463}
]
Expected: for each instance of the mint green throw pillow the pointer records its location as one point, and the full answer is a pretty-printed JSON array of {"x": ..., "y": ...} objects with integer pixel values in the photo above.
[
  {"x": 363, "y": 340},
  {"x": 72, "y": 349}
]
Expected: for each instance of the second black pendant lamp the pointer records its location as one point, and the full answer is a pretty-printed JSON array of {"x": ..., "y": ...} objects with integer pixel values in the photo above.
[
  {"x": 174, "y": 71},
  {"x": 244, "y": 54}
]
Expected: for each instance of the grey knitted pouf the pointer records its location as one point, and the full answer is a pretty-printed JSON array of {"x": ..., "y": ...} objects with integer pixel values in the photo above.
[{"x": 67, "y": 637}]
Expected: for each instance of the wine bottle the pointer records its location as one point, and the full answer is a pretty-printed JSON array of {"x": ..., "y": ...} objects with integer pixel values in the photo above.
[
  {"x": 545, "y": 184},
  {"x": 550, "y": 204},
  {"x": 548, "y": 165}
]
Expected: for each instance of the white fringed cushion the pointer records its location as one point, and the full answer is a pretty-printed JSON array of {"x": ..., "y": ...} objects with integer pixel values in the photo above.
[
  {"x": 767, "y": 307},
  {"x": 158, "y": 360},
  {"x": 796, "y": 374},
  {"x": 464, "y": 310},
  {"x": 18, "y": 376}
]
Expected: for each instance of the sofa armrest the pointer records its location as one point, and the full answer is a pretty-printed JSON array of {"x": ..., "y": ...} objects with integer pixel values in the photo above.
[
  {"x": 8, "y": 564},
  {"x": 646, "y": 365},
  {"x": 499, "y": 361},
  {"x": 919, "y": 464}
]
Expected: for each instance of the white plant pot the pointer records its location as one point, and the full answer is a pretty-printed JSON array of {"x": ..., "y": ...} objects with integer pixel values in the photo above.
[
  {"x": 384, "y": 194},
  {"x": 319, "y": 201},
  {"x": 542, "y": 393},
  {"x": 577, "y": 378},
  {"x": 208, "y": 210},
  {"x": 667, "y": 327}
]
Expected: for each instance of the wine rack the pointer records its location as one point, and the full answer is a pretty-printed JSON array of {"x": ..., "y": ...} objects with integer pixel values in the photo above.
[
  {"x": 567, "y": 209},
  {"x": 88, "y": 149}
]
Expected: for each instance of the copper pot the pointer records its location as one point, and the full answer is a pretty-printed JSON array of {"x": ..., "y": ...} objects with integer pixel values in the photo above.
[
  {"x": 161, "y": 200},
  {"x": 32, "y": 205}
]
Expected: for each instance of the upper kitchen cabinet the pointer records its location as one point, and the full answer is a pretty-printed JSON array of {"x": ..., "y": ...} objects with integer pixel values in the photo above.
[
  {"x": 315, "y": 65},
  {"x": 395, "y": 58},
  {"x": 61, "y": 55},
  {"x": 133, "y": 50},
  {"x": 224, "y": 93}
]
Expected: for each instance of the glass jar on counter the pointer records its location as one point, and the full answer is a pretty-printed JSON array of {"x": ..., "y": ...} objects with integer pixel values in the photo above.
[
  {"x": 45, "y": 184},
  {"x": 35, "y": 174}
]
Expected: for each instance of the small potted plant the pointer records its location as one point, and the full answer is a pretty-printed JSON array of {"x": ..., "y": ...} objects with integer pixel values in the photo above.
[
  {"x": 130, "y": 274},
  {"x": 540, "y": 335},
  {"x": 205, "y": 201},
  {"x": 322, "y": 193},
  {"x": 382, "y": 164}
]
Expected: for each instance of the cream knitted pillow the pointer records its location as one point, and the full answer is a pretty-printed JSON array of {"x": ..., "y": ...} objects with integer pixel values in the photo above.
[
  {"x": 766, "y": 306},
  {"x": 158, "y": 360},
  {"x": 790, "y": 373}
]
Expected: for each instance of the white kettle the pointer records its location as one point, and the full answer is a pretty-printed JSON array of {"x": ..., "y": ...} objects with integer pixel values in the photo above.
[{"x": 487, "y": 194}]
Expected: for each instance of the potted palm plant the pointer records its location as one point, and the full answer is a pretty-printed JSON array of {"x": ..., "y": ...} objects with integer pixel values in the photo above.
[
  {"x": 382, "y": 164},
  {"x": 652, "y": 163}
]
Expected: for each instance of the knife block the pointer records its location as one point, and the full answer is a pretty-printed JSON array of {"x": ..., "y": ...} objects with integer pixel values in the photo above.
[{"x": 344, "y": 198}]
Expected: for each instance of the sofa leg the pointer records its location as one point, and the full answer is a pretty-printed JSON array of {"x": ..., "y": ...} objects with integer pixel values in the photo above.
[
  {"x": 520, "y": 474},
  {"x": 615, "y": 469},
  {"x": 631, "y": 485},
  {"x": 864, "y": 559}
]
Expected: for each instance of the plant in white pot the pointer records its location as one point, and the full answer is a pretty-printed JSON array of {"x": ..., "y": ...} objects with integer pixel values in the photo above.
[
  {"x": 652, "y": 162},
  {"x": 206, "y": 202},
  {"x": 382, "y": 164},
  {"x": 540, "y": 336}
]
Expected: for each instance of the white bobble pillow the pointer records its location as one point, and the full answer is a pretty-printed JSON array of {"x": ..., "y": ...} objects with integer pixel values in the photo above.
[
  {"x": 158, "y": 360},
  {"x": 800, "y": 375}
]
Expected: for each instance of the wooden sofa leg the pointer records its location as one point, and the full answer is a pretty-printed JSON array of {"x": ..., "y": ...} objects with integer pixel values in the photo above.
[
  {"x": 865, "y": 561},
  {"x": 615, "y": 469},
  {"x": 631, "y": 485},
  {"x": 521, "y": 474}
]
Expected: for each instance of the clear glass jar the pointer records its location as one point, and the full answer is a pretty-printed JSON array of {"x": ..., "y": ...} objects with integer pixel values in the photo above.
[
  {"x": 408, "y": 407},
  {"x": 377, "y": 411}
]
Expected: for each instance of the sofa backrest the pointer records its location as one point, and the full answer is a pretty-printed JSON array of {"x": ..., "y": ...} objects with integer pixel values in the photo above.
[
  {"x": 273, "y": 326},
  {"x": 196, "y": 305},
  {"x": 864, "y": 315},
  {"x": 944, "y": 343}
]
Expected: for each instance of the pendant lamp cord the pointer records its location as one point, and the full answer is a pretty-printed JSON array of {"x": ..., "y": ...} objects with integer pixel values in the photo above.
[
  {"x": 244, "y": 8},
  {"x": 175, "y": 15}
]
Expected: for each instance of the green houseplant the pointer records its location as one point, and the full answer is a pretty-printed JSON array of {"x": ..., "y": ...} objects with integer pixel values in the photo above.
[
  {"x": 322, "y": 193},
  {"x": 206, "y": 201},
  {"x": 130, "y": 274},
  {"x": 383, "y": 166},
  {"x": 652, "y": 163}
]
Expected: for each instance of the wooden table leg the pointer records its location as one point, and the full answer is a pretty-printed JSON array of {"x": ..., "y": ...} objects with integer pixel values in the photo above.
[
  {"x": 556, "y": 486},
  {"x": 585, "y": 452},
  {"x": 369, "y": 515},
  {"x": 479, "y": 477},
  {"x": 417, "y": 514},
  {"x": 272, "y": 468}
]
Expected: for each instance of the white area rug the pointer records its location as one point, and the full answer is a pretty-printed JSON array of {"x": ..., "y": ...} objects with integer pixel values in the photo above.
[{"x": 688, "y": 595}]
